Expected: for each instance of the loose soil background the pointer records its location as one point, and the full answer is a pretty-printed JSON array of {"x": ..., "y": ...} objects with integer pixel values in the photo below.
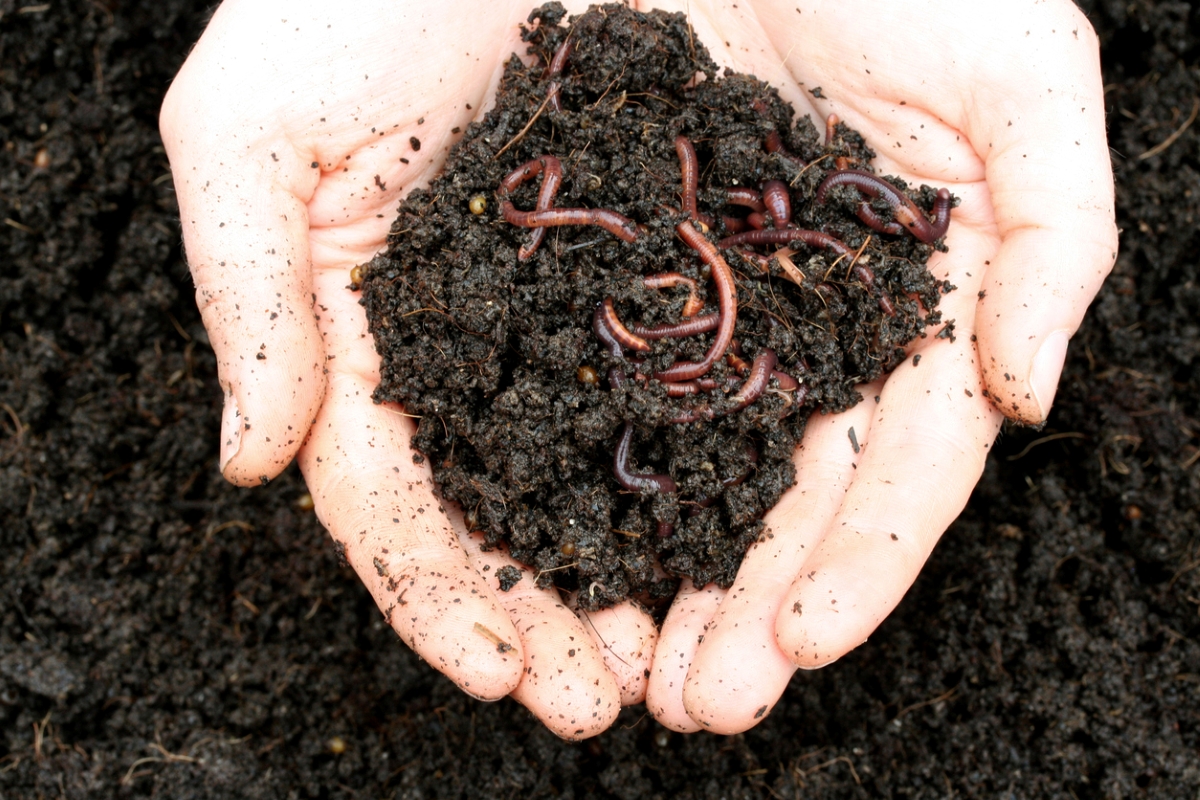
[{"x": 164, "y": 634}]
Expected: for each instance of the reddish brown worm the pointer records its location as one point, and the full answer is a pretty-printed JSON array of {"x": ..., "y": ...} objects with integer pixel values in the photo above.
[
  {"x": 906, "y": 212},
  {"x": 618, "y": 225},
  {"x": 874, "y": 221},
  {"x": 752, "y": 389},
  {"x": 666, "y": 280},
  {"x": 756, "y": 383},
  {"x": 689, "y": 167},
  {"x": 722, "y": 277},
  {"x": 551, "y": 170},
  {"x": 757, "y": 220},
  {"x": 786, "y": 382},
  {"x": 734, "y": 357},
  {"x": 733, "y": 224},
  {"x": 735, "y": 360},
  {"x": 745, "y": 196},
  {"x": 679, "y": 330},
  {"x": 623, "y": 336},
  {"x": 867, "y": 276},
  {"x": 831, "y": 123},
  {"x": 636, "y": 481},
  {"x": 779, "y": 237},
  {"x": 774, "y": 144},
  {"x": 778, "y": 201},
  {"x": 685, "y": 388},
  {"x": 557, "y": 62},
  {"x": 604, "y": 333}
]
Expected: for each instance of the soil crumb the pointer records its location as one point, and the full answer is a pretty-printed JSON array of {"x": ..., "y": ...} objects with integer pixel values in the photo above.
[{"x": 490, "y": 331}]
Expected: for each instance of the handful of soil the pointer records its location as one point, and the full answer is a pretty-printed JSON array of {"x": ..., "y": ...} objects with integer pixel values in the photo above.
[{"x": 617, "y": 307}]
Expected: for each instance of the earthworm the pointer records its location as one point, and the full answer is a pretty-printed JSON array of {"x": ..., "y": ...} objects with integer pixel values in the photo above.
[
  {"x": 665, "y": 280},
  {"x": 786, "y": 382},
  {"x": 756, "y": 383},
  {"x": 778, "y": 202},
  {"x": 885, "y": 304},
  {"x": 774, "y": 144},
  {"x": 607, "y": 315},
  {"x": 784, "y": 236},
  {"x": 735, "y": 360},
  {"x": 831, "y": 123},
  {"x": 636, "y": 481},
  {"x": 686, "y": 388},
  {"x": 757, "y": 220},
  {"x": 689, "y": 168},
  {"x": 733, "y": 224},
  {"x": 752, "y": 389},
  {"x": 873, "y": 220},
  {"x": 906, "y": 212},
  {"x": 722, "y": 277},
  {"x": 679, "y": 330},
  {"x": 618, "y": 225},
  {"x": 604, "y": 333},
  {"x": 763, "y": 262},
  {"x": 867, "y": 276},
  {"x": 745, "y": 196},
  {"x": 551, "y": 169},
  {"x": 557, "y": 62},
  {"x": 530, "y": 169}
]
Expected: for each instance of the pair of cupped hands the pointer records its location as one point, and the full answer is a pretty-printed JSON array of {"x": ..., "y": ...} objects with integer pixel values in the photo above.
[{"x": 287, "y": 130}]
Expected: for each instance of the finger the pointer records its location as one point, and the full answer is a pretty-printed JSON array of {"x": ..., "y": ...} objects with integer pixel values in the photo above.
[
  {"x": 929, "y": 441},
  {"x": 719, "y": 692},
  {"x": 245, "y": 232},
  {"x": 625, "y": 636},
  {"x": 1051, "y": 181},
  {"x": 681, "y": 635},
  {"x": 565, "y": 682},
  {"x": 380, "y": 508}
]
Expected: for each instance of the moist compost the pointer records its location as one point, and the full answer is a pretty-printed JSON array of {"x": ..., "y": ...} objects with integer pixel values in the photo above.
[{"x": 549, "y": 408}]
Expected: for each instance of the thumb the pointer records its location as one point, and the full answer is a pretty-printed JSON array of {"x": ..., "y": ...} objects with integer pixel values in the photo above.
[
  {"x": 245, "y": 233},
  {"x": 1052, "y": 189}
]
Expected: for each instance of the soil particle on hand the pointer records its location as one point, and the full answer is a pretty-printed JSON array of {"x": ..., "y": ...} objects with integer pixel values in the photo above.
[
  {"x": 486, "y": 329},
  {"x": 509, "y": 577}
]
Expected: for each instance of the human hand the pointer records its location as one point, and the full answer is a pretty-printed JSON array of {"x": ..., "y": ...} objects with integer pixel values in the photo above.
[
  {"x": 293, "y": 130},
  {"x": 1004, "y": 106}
]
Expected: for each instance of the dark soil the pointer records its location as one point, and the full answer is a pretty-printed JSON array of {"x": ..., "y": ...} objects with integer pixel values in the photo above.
[
  {"x": 497, "y": 354},
  {"x": 165, "y": 634}
]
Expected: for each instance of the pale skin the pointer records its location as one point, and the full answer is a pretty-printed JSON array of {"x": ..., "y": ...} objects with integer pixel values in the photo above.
[{"x": 285, "y": 130}]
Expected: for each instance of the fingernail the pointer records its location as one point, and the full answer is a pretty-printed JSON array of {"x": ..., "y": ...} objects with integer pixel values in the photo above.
[
  {"x": 1047, "y": 368},
  {"x": 231, "y": 430}
]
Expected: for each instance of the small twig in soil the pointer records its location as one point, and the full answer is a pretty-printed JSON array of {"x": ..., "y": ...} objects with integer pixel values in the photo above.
[
  {"x": 1051, "y": 438},
  {"x": 20, "y": 432},
  {"x": 524, "y": 130},
  {"x": 1170, "y": 140},
  {"x": 831, "y": 762},
  {"x": 931, "y": 701}
]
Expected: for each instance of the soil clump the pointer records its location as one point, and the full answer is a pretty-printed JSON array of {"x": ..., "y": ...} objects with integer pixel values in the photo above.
[{"x": 493, "y": 341}]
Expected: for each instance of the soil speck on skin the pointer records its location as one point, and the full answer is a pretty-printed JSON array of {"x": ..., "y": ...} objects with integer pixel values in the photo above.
[{"x": 520, "y": 411}]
